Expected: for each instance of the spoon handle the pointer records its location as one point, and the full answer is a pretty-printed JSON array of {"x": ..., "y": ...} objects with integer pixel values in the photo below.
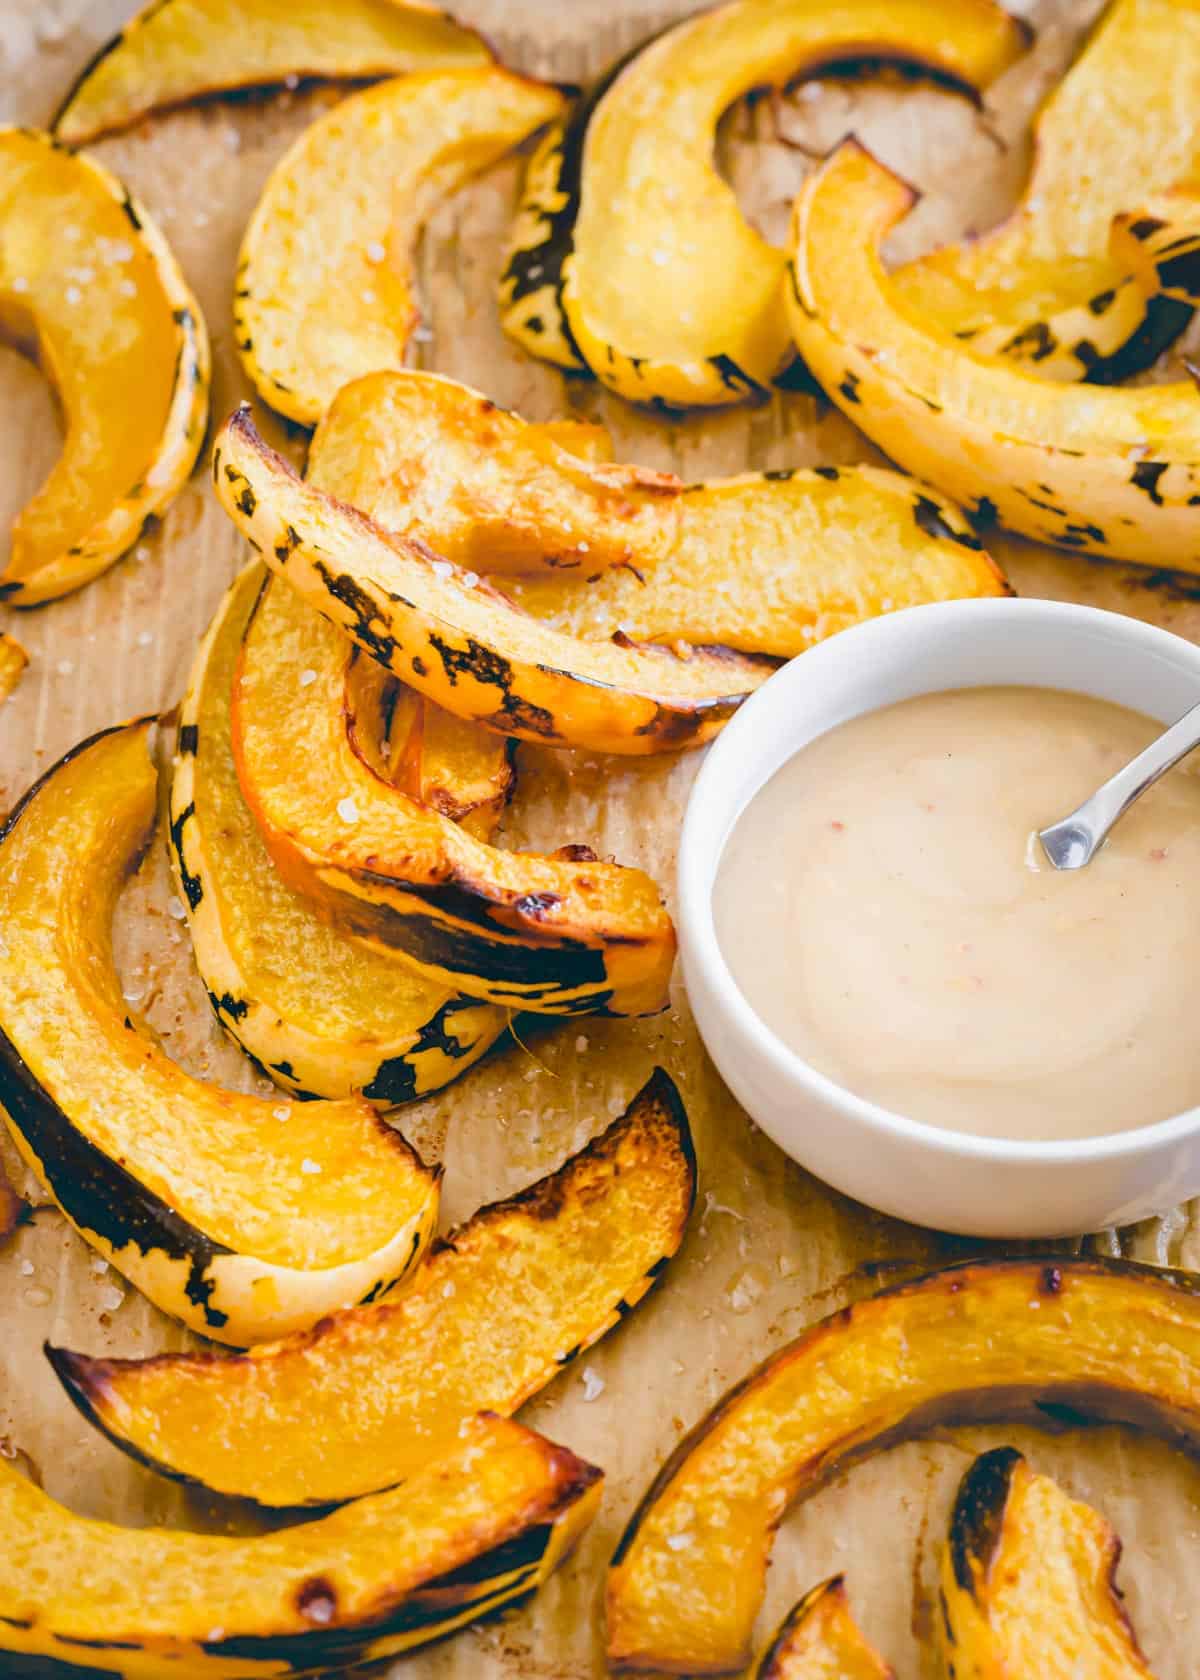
[{"x": 1073, "y": 842}]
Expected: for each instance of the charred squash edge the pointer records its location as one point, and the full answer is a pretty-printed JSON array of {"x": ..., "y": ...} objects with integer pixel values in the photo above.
[
  {"x": 974, "y": 1548},
  {"x": 88, "y": 1379},
  {"x": 778, "y": 1661}
]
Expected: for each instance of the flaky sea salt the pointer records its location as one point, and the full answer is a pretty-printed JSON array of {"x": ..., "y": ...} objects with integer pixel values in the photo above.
[
  {"x": 593, "y": 1385},
  {"x": 282, "y": 1113},
  {"x": 307, "y": 678},
  {"x": 175, "y": 908},
  {"x": 679, "y": 1542},
  {"x": 375, "y": 251},
  {"x": 307, "y": 1166},
  {"x": 347, "y": 810}
]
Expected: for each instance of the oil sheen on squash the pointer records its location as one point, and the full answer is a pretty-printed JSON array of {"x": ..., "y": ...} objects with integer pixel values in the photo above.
[{"x": 886, "y": 908}]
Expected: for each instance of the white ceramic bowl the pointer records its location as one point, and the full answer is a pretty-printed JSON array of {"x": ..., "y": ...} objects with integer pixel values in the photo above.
[{"x": 951, "y": 1180}]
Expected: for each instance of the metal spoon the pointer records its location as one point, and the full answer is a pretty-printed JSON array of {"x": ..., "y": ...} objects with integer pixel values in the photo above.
[{"x": 1075, "y": 840}]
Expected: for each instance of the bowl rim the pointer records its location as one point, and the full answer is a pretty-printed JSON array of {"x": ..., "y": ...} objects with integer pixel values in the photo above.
[{"x": 707, "y": 808}]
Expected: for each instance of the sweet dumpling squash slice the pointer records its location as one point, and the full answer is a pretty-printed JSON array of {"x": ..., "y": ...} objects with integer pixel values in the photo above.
[
  {"x": 174, "y": 50},
  {"x": 325, "y": 286},
  {"x": 242, "y": 1216},
  {"x": 766, "y": 562},
  {"x": 458, "y": 642},
  {"x": 1107, "y": 1338},
  {"x": 1028, "y": 1582},
  {"x": 669, "y": 295},
  {"x": 90, "y": 289},
  {"x": 1043, "y": 288},
  {"x": 486, "y": 1523},
  {"x": 365, "y": 1399},
  {"x": 433, "y": 459},
  {"x": 1106, "y": 472},
  {"x": 819, "y": 1640},
  {"x": 322, "y": 1013}
]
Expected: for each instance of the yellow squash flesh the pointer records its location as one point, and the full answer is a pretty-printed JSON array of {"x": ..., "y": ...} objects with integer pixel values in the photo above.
[
  {"x": 1043, "y": 288},
  {"x": 325, "y": 288},
  {"x": 13, "y": 660},
  {"x": 433, "y": 459},
  {"x": 485, "y": 1524},
  {"x": 766, "y": 563},
  {"x": 90, "y": 289},
  {"x": 562, "y": 934},
  {"x": 819, "y": 1640},
  {"x": 669, "y": 295},
  {"x": 374, "y": 1393},
  {"x": 456, "y": 640},
  {"x": 244, "y": 1217},
  {"x": 1114, "y": 473},
  {"x": 1028, "y": 1582},
  {"x": 175, "y": 50},
  {"x": 323, "y": 1014},
  {"x": 983, "y": 1340}
]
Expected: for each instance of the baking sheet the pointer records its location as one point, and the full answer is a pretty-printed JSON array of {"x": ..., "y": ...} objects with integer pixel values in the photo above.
[{"x": 769, "y": 1248}]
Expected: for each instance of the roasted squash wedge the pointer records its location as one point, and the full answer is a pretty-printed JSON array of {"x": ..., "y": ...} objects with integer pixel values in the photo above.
[
  {"x": 982, "y": 1340},
  {"x": 669, "y": 295},
  {"x": 456, "y": 640},
  {"x": 558, "y": 935},
  {"x": 375, "y": 1392},
  {"x": 13, "y": 660},
  {"x": 1106, "y": 472},
  {"x": 1043, "y": 288},
  {"x": 768, "y": 562},
  {"x": 1028, "y": 1582},
  {"x": 433, "y": 459},
  {"x": 325, "y": 286},
  {"x": 175, "y": 50},
  {"x": 484, "y": 1525},
  {"x": 242, "y": 1216},
  {"x": 90, "y": 289},
  {"x": 323, "y": 1014},
  {"x": 819, "y": 1640}
]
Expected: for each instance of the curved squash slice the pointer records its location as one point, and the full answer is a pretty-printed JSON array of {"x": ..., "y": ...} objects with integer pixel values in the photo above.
[
  {"x": 484, "y": 1525},
  {"x": 373, "y": 1393},
  {"x": 175, "y": 50},
  {"x": 669, "y": 294},
  {"x": 244, "y": 1217},
  {"x": 1043, "y": 288},
  {"x": 557, "y": 935},
  {"x": 1107, "y": 472},
  {"x": 457, "y": 641},
  {"x": 321, "y": 1013},
  {"x": 981, "y": 1340},
  {"x": 433, "y": 459},
  {"x": 1028, "y": 1582},
  {"x": 89, "y": 287},
  {"x": 768, "y": 562},
  {"x": 325, "y": 287},
  {"x": 819, "y": 1640}
]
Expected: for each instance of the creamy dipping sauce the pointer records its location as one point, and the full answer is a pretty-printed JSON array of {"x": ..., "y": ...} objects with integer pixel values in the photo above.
[{"x": 886, "y": 909}]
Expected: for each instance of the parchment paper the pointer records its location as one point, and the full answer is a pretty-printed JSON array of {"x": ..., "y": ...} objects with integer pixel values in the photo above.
[{"x": 769, "y": 1248}]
